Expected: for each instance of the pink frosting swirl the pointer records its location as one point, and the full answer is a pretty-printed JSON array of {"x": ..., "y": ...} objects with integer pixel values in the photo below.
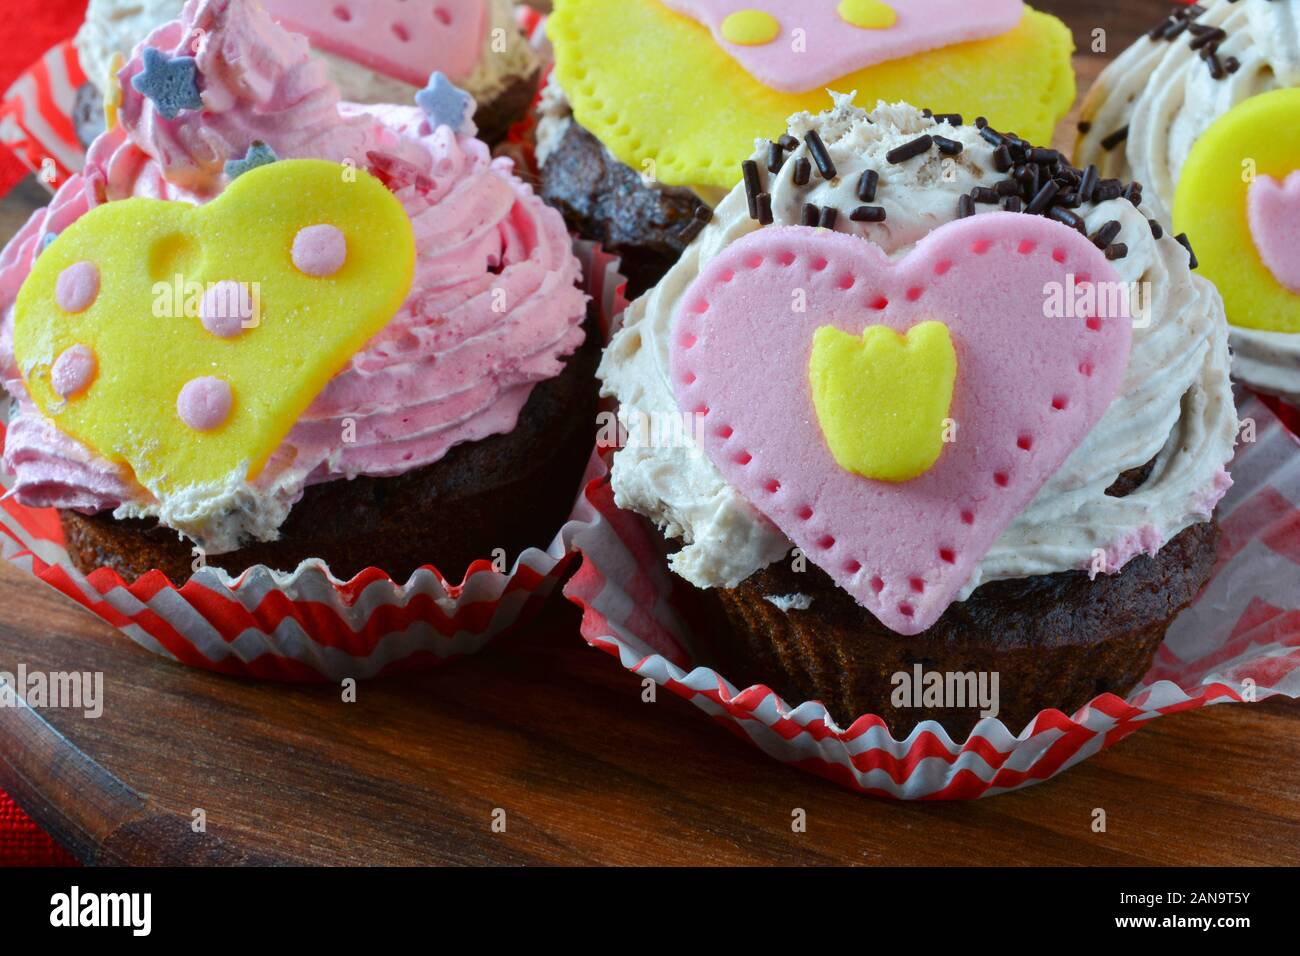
[{"x": 493, "y": 309}]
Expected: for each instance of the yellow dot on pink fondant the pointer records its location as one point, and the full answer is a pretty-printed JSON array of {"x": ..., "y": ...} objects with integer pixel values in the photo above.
[
  {"x": 750, "y": 28},
  {"x": 867, "y": 14}
]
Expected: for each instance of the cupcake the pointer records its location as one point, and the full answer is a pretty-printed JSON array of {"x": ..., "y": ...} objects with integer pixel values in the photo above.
[
  {"x": 378, "y": 51},
  {"x": 339, "y": 332},
  {"x": 654, "y": 104},
  {"x": 1204, "y": 111},
  {"x": 976, "y": 424}
]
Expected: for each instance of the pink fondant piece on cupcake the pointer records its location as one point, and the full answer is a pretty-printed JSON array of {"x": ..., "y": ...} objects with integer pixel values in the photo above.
[
  {"x": 320, "y": 251},
  {"x": 204, "y": 404},
  {"x": 1029, "y": 388},
  {"x": 1274, "y": 211},
  {"x": 403, "y": 39},
  {"x": 227, "y": 308},
  {"x": 77, "y": 287},
  {"x": 815, "y": 43},
  {"x": 73, "y": 371}
]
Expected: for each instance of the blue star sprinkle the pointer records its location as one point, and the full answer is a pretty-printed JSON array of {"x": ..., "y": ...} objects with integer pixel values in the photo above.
[
  {"x": 46, "y": 240},
  {"x": 259, "y": 154},
  {"x": 171, "y": 82},
  {"x": 445, "y": 104}
]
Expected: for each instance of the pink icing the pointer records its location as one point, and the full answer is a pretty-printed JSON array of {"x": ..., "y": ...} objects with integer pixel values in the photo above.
[
  {"x": 404, "y": 39},
  {"x": 226, "y": 307},
  {"x": 1274, "y": 212},
  {"x": 77, "y": 287},
  {"x": 832, "y": 48},
  {"x": 492, "y": 311},
  {"x": 1028, "y": 390},
  {"x": 73, "y": 371},
  {"x": 319, "y": 251},
  {"x": 205, "y": 403}
]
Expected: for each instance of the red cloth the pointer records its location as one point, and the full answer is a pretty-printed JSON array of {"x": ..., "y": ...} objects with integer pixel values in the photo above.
[{"x": 22, "y": 843}]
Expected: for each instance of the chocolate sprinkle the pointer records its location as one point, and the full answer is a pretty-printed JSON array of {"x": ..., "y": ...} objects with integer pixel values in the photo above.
[
  {"x": 788, "y": 142},
  {"x": 1187, "y": 244},
  {"x": 1012, "y": 204},
  {"x": 1002, "y": 160},
  {"x": 829, "y": 216},
  {"x": 1157, "y": 230},
  {"x": 868, "y": 214},
  {"x": 802, "y": 171},
  {"x": 775, "y": 157},
  {"x": 1088, "y": 183},
  {"x": 1116, "y": 251},
  {"x": 819, "y": 154},
  {"x": 753, "y": 185},
  {"x": 867, "y": 184},
  {"x": 1043, "y": 198},
  {"x": 811, "y": 215},
  {"x": 765, "y": 209},
  {"x": 1104, "y": 236},
  {"x": 1114, "y": 139},
  {"x": 965, "y": 206},
  {"x": 984, "y": 194},
  {"x": 949, "y": 147},
  {"x": 901, "y": 154}
]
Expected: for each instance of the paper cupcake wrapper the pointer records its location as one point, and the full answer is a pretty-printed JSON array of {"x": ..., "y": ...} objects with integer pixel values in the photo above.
[
  {"x": 35, "y": 118},
  {"x": 308, "y": 625},
  {"x": 1240, "y": 641}
]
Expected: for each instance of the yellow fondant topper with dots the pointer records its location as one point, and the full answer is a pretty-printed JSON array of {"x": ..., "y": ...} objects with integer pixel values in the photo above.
[
  {"x": 882, "y": 398},
  {"x": 668, "y": 98},
  {"x": 185, "y": 341}
]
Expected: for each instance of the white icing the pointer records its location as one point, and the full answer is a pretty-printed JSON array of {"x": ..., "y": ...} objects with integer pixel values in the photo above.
[
  {"x": 1175, "y": 406},
  {"x": 789, "y": 602}
]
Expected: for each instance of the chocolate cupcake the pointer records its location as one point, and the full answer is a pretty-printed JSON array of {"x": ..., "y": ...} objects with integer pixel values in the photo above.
[
  {"x": 653, "y": 104},
  {"x": 1204, "y": 111},
  {"x": 345, "y": 334},
  {"x": 957, "y": 412},
  {"x": 378, "y": 51}
]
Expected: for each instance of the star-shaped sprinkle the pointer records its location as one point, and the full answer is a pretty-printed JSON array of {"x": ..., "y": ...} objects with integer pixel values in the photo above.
[
  {"x": 445, "y": 104},
  {"x": 170, "y": 82},
  {"x": 259, "y": 154},
  {"x": 46, "y": 239}
]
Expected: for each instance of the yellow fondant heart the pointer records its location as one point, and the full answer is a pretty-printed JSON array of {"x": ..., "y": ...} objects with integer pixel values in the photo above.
[
  {"x": 152, "y": 258},
  {"x": 1259, "y": 137},
  {"x": 882, "y": 398},
  {"x": 653, "y": 84}
]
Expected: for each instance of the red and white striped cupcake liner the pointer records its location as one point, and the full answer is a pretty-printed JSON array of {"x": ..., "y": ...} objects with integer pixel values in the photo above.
[
  {"x": 1240, "y": 641},
  {"x": 308, "y": 625}
]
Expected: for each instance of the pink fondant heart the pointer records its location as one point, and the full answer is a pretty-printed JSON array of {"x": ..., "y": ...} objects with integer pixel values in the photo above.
[
  {"x": 404, "y": 39},
  {"x": 829, "y": 48},
  {"x": 1029, "y": 389},
  {"x": 1274, "y": 210}
]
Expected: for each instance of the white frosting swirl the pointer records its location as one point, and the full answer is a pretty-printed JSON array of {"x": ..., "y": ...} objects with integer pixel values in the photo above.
[
  {"x": 1175, "y": 406},
  {"x": 1164, "y": 93}
]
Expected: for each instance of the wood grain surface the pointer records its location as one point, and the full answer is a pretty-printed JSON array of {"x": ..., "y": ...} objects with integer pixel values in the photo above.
[{"x": 556, "y": 735}]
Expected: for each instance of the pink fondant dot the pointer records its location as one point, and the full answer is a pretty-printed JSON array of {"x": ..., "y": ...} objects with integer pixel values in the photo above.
[
  {"x": 319, "y": 251},
  {"x": 78, "y": 287},
  {"x": 226, "y": 308},
  {"x": 73, "y": 371},
  {"x": 205, "y": 403}
]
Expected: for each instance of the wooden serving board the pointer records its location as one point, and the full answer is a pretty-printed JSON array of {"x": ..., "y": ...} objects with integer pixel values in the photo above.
[{"x": 554, "y": 739}]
